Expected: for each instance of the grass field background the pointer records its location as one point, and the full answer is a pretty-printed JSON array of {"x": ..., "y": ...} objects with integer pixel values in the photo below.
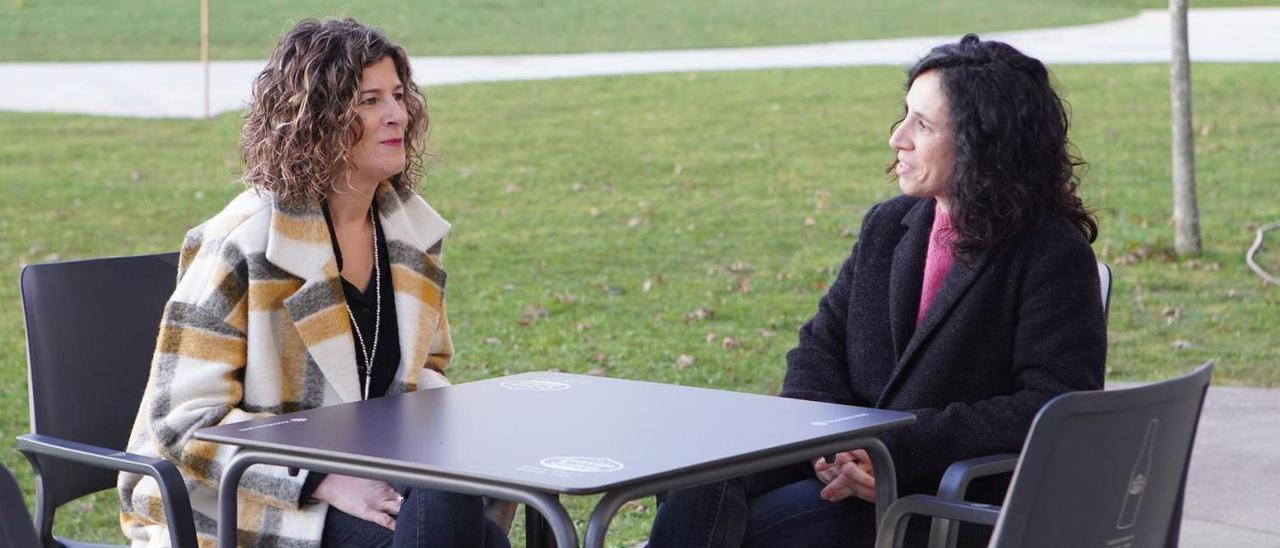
[
  {"x": 81, "y": 30},
  {"x": 570, "y": 197}
]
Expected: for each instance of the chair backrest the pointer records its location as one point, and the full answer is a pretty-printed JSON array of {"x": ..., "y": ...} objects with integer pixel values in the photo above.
[
  {"x": 1105, "y": 468},
  {"x": 91, "y": 331},
  {"x": 16, "y": 528},
  {"x": 1104, "y": 283}
]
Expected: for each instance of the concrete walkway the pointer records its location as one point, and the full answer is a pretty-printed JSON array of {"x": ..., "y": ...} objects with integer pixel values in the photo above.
[
  {"x": 174, "y": 89},
  {"x": 1233, "y": 491}
]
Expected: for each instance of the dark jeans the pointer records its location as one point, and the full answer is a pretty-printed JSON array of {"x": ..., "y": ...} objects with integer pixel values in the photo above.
[
  {"x": 428, "y": 518},
  {"x": 779, "y": 507}
]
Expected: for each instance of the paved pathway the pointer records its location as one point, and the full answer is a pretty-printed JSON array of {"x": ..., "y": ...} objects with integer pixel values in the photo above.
[
  {"x": 1233, "y": 491},
  {"x": 173, "y": 89}
]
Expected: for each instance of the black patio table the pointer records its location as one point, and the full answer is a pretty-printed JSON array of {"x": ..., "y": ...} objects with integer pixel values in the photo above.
[{"x": 532, "y": 437}]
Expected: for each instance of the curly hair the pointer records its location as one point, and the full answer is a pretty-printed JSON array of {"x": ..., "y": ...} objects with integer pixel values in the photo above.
[
  {"x": 1013, "y": 160},
  {"x": 298, "y": 134}
]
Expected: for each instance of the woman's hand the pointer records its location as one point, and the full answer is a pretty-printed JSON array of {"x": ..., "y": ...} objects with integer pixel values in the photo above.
[
  {"x": 370, "y": 500},
  {"x": 850, "y": 474}
]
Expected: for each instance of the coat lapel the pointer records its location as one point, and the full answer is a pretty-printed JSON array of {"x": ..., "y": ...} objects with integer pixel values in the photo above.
[
  {"x": 299, "y": 244},
  {"x": 905, "y": 275},
  {"x": 414, "y": 232},
  {"x": 959, "y": 279}
]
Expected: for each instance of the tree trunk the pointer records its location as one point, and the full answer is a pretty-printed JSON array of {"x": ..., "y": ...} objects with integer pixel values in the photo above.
[{"x": 1186, "y": 215}]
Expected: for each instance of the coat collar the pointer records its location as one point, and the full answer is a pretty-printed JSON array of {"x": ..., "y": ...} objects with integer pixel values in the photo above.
[
  {"x": 906, "y": 279},
  {"x": 298, "y": 242}
]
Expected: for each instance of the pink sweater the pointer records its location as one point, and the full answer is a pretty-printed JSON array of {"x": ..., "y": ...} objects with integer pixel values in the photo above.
[{"x": 937, "y": 260}]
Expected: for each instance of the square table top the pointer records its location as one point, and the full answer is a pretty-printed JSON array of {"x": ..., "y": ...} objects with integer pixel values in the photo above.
[{"x": 558, "y": 432}]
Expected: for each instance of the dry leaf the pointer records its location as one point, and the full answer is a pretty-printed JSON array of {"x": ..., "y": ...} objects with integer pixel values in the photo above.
[
  {"x": 577, "y": 186},
  {"x": 635, "y": 506},
  {"x": 492, "y": 340},
  {"x": 600, "y": 358},
  {"x": 700, "y": 314},
  {"x": 595, "y": 212},
  {"x": 1180, "y": 344},
  {"x": 566, "y": 298},
  {"x": 635, "y": 222},
  {"x": 597, "y": 372},
  {"x": 711, "y": 337},
  {"x": 765, "y": 333},
  {"x": 810, "y": 221},
  {"x": 583, "y": 326},
  {"x": 730, "y": 343},
  {"x": 744, "y": 284},
  {"x": 532, "y": 313},
  {"x": 684, "y": 361},
  {"x": 647, "y": 285}
]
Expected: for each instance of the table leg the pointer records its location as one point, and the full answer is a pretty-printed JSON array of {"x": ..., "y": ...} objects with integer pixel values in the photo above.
[
  {"x": 537, "y": 532},
  {"x": 886, "y": 476},
  {"x": 227, "y": 503}
]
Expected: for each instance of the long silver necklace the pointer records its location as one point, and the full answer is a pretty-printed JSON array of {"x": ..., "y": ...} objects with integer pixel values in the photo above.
[{"x": 368, "y": 352}]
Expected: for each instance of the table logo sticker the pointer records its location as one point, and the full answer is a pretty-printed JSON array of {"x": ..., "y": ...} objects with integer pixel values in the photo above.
[
  {"x": 582, "y": 464},
  {"x": 837, "y": 420},
  {"x": 534, "y": 386}
]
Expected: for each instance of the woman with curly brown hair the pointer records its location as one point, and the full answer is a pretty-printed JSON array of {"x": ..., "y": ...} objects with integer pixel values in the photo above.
[
  {"x": 320, "y": 284},
  {"x": 970, "y": 300}
]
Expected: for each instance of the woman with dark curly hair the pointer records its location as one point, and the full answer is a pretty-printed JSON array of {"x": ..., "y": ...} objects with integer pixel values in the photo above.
[
  {"x": 970, "y": 300},
  {"x": 320, "y": 284}
]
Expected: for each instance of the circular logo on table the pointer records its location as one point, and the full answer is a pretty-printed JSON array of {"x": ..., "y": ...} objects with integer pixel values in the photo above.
[
  {"x": 582, "y": 464},
  {"x": 534, "y": 386}
]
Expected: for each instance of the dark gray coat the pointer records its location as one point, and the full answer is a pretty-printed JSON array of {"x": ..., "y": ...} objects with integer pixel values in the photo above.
[{"x": 1008, "y": 331}]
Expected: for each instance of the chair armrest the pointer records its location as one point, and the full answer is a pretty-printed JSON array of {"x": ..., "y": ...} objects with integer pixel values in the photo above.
[
  {"x": 890, "y": 534},
  {"x": 955, "y": 484},
  {"x": 958, "y": 476},
  {"x": 177, "y": 503}
]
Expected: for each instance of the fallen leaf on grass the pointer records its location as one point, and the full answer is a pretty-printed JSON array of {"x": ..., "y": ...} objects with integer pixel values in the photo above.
[
  {"x": 597, "y": 372},
  {"x": 700, "y": 314},
  {"x": 1180, "y": 344},
  {"x": 711, "y": 337},
  {"x": 684, "y": 361},
  {"x": 729, "y": 343},
  {"x": 566, "y": 298},
  {"x": 492, "y": 340},
  {"x": 635, "y": 506},
  {"x": 583, "y": 326},
  {"x": 532, "y": 313}
]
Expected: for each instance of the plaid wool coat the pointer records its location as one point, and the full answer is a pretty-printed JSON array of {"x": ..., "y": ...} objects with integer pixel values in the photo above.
[{"x": 258, "y": 326}]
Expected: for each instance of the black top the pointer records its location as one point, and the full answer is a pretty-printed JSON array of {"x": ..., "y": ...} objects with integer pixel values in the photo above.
[{"x": 387, "y": 357}]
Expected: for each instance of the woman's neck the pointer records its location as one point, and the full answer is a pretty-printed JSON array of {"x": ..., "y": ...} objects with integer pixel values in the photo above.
[{"x": 350, "y": 205}]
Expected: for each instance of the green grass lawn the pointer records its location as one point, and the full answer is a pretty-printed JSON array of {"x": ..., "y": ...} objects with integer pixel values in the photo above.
[
  {"x": 593, "y": 217},
  {"x": 43, "y": 30}
]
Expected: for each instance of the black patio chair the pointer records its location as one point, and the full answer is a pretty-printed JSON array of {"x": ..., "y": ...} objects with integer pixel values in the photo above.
[
  {"x": 91, "y": 329},
  {"x": 1099, "y": 468},
  {"x": 16, "y": 529}
]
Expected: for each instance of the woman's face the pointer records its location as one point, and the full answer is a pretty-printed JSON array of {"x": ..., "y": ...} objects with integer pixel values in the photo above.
[
  {"x": 924, "y": 141},
  {"x": 379, "y": 153}
]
